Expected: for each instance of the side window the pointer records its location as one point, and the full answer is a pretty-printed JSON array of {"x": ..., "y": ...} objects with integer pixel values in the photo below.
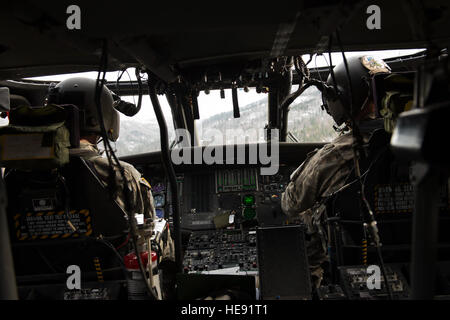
[
  {"x": 307, "y": 121},
  {"x": 140, "y": 134}
]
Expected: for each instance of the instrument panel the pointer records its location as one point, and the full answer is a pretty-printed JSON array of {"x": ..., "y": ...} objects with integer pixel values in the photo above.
[
  {"x": 222, "y": 205},
  {"x": 207, "y": 191},
  {"x": 240, "y": 192},
  {"x": 243, "y": 194}
]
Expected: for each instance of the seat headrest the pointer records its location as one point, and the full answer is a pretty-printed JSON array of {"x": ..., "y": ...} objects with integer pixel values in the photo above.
[
  {"x": 39, "y": 138},
  {"x": 27, "y": 116},
  {"x": 37, "y": 116}
]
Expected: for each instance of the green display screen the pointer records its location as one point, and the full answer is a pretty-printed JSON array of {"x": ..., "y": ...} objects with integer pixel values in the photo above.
[{"x": 249, "y": 199}]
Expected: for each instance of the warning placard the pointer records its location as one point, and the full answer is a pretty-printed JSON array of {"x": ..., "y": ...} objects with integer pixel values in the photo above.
[
  {"x": 399, "y": 198},
  {"x": 52, "y": 225},
  {"x": 395, "y": 198}
]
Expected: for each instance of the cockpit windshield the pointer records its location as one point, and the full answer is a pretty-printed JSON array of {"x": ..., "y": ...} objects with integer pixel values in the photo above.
[{"x": 307, "y": 121}]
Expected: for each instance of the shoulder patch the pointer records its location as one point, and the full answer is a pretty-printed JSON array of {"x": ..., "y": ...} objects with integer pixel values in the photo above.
[{"x": 375, "y": 65}]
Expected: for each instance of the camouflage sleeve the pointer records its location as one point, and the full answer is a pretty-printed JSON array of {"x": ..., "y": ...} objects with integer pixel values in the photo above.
[
  {"x": 147, "y": 199},
  {"x": 322, "y": 173},
  {"x": 140, "y": 195},
  {"x": 167, "y": 247},
  {"x": 300, "y": 194},
  {"x": 166, "y": 243},
  {"x": 131, "y": 176}
]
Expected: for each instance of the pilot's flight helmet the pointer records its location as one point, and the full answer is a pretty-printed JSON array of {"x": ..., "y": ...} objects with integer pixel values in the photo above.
[
  {"x": 81, "y": 92},
  {"x": 361, "y": 70}
]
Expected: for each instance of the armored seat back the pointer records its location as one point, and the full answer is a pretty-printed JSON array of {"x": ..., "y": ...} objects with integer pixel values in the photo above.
[
  {"x": 59, "y": 212},
  {"x": 390, "y": 195}
]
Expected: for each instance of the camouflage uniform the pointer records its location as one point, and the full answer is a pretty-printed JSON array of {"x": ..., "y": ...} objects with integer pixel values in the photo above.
[
  {"x": 141, "y": 194},
  {"x": 323, "y": 172}
]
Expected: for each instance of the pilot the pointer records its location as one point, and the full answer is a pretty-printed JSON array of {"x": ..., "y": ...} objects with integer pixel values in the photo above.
[
  {"x": 81, "y": 92},
  {"x": 326, "y": 170}
]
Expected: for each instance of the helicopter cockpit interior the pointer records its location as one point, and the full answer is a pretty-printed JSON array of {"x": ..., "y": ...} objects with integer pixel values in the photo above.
[{"x": 218, "y": 174}]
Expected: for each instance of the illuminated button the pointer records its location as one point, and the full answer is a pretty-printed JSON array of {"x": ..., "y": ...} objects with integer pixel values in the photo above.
[
  {"x": 249, "y": 200},
  {"x": 249, "y": 213}
]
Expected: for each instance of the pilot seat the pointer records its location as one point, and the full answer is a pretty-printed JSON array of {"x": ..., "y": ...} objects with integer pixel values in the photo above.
[
  {"x": 60, "y": 214},
  {"x": 390, "y": 193}
]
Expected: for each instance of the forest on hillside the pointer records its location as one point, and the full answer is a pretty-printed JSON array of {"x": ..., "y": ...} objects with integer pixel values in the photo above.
[{"x": 307, "y": 121}]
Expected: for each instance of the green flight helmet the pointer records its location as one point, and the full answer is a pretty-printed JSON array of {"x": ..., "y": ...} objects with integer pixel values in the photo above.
[
  {"x": 361, "y": 70},
  {"x": 81, "y": 93}
]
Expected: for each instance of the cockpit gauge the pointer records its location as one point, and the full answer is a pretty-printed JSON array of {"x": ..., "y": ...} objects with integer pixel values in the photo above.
[
  {"x": 160, "y": 200},
  {"x": 160, "y": 213}
]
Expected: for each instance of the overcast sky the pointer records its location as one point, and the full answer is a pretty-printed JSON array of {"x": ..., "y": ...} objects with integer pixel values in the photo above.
[{"x": 212, "y": 104}]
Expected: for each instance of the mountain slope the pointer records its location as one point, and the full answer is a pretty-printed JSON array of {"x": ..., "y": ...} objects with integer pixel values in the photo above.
[{"x": 307, "y": 121}]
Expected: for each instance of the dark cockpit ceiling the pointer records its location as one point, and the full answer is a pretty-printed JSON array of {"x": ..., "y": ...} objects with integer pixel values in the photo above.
[{"x": 188, "y": 38}]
